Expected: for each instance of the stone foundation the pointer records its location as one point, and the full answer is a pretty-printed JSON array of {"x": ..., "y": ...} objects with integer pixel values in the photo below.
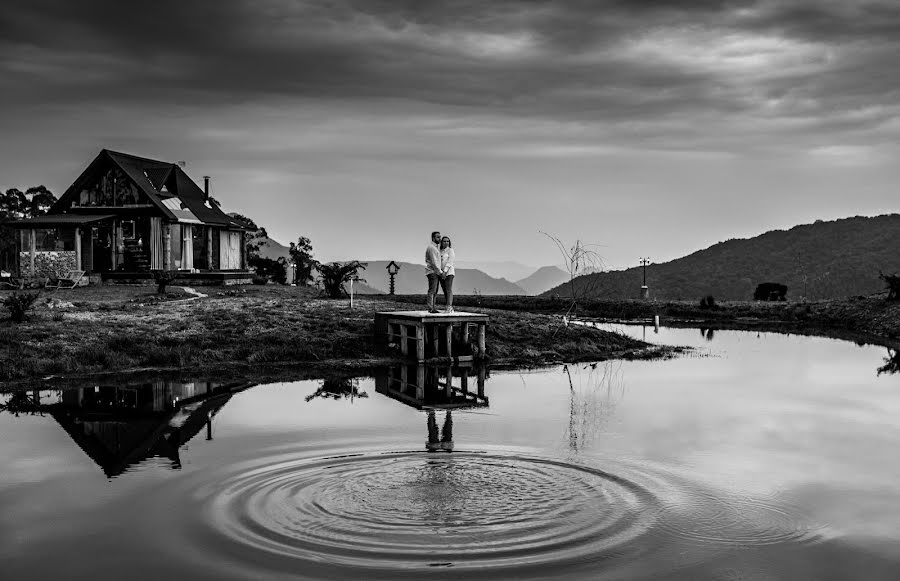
[{"x": 50, "y": 264}]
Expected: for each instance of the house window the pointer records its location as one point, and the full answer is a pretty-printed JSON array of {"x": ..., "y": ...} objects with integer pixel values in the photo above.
[
  {"x": 128, "y": 230},
  {"x": 54, "y": 239}
]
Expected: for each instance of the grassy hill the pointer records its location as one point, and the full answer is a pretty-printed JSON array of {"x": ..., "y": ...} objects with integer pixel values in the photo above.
[{"x": 817, "y": 261}]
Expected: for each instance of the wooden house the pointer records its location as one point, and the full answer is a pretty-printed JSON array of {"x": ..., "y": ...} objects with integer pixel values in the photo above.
[{"x": 124, "y": 217}]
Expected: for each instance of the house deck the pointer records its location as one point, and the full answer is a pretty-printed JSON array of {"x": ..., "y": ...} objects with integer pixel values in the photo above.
[{"x": 206, "y": 278}]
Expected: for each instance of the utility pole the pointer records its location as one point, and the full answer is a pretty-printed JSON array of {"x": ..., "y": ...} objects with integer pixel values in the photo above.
[{"x": 645, "y": 290}]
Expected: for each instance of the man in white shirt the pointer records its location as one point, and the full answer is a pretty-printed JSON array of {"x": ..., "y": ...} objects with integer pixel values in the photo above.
[{"x": 433, "y": 271}]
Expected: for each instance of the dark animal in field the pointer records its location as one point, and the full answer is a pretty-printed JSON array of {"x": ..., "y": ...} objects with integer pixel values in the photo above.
[{"x": 770, "y": 291}]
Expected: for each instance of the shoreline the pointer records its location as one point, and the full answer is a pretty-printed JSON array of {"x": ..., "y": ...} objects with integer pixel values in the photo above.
[
  {"x": 95, "y": 332},
  {"x": 859, "y": 319},
  {"x": 288, "y": 332}
]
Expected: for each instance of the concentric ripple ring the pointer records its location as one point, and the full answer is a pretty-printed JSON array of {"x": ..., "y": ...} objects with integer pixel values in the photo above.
[{"x": 416, "y": 509}]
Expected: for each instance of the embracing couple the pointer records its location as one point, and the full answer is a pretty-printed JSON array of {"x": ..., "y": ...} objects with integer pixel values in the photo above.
[{"x": 439, "y": 259}]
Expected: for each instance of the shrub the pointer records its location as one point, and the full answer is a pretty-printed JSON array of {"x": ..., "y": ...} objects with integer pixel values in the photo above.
[
  {"x": 19, "y": 303},
  {"x": 335, "y": 274},
  {"x": 162, "y": 278},
  {"x": 276, "y": 270},
  {"x": 260, "y": 280},
  {"x": 770, "y": 291},
  {"x": 708, "y": 302},
  {"x": 892, "y": 282}
]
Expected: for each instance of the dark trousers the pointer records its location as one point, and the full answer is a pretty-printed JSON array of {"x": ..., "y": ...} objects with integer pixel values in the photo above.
[
  {"x": 447, "y": 285},
  {"x": 431, "y": 297}
]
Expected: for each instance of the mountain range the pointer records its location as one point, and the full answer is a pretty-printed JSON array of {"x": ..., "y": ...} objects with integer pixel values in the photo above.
[
  {"x": 822, "y": 260},
  {"x": 471, "y": 277}
]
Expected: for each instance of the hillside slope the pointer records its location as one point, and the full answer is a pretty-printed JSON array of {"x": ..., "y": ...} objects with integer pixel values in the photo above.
[
  {"x": 817, "y": 261},
  {"x": 411, "y": 280}
]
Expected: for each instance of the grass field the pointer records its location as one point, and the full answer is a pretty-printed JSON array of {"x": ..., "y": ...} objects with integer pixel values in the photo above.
[{"x": 123, "y": 328}]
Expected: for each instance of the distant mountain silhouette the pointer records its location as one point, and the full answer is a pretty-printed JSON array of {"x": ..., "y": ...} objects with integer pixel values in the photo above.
[
  {"x": 411, "y": 280},
  {"x": 818, "y": 261},
  {"x": 508, "y": 269},
  {"x": 274, "y": 250},
  {"x": 543, "y": 279}
]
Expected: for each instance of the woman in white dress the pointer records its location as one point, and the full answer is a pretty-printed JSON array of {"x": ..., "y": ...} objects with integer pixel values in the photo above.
[{"x": 448, "y": 271}]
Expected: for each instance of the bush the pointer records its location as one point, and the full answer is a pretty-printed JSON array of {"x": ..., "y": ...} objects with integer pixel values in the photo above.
[
  {"x": 275, "y": 270},
  {"x": 260, "y": 280},
  {"x": 163, "y": 278},
  {"x": 770, "y": 291},
  {"x": 335, "y": 274},
  {"x": 892, "y": 284},
  {"x": 18, "y": 304},
  {"x": 708, "y": 302}
]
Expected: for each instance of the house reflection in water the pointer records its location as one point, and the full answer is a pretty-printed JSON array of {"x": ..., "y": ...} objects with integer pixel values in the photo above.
[
  {"x": 120, "y": 426},
  {"x": 433, "y": 389}
]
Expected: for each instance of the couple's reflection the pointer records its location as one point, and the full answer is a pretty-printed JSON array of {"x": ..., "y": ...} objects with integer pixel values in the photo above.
[
  {"x": 435, "y": 390},
  {"x": 120, "y": 426}
]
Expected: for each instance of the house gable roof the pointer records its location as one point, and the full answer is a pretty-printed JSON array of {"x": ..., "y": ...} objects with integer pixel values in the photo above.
[{"x": 158, "y": 181}]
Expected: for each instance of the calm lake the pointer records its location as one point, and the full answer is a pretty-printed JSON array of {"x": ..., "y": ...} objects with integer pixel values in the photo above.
[{"x": 756, "y": 456}]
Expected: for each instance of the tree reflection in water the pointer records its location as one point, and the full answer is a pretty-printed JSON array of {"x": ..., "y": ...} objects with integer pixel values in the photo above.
[{"x": 594, "y": 391}]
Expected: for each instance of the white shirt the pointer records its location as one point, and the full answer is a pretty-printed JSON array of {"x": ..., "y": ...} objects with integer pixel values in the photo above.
[
  {"x": 447, "y": 259},
  {"x": 432, "y": 260}
]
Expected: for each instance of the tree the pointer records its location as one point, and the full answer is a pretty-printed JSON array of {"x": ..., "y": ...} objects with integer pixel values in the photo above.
[
  {"x": 273, "y": 269},
  {"x": 304, "y": 263},
  {"x": 257, "y": 235},
  {"x": 18, "y": 205},
  {"x": 579, "y": 260},
  {"x": 334, "y": 275}
]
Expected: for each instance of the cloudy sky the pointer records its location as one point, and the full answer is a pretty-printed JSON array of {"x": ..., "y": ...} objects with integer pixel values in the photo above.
[{"x": 647, "y": 128}]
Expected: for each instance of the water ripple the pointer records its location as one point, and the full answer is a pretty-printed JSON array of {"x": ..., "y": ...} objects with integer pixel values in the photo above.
[
  {"x": 496, "y": 513},
  {"x": 408, "y": 509}
]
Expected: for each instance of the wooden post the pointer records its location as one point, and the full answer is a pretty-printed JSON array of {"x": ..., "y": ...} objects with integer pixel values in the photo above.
[
  {"x": 481, "y": 378},
  {"x": 420, "y": 382},
  {"x": 465, "y": 333},
  {"x": 464, "y": 379},
  {"x": 209, "y": 247},
  {"x": 435, "y": 341},
  {"x": 167, "y": 246},
  {"x": 31, "y": 243},
  {"x": 404, "y": 348},
  {"x": 481, "y": 333},
  {"x": 448, "y": 336},
  {"x": 77, "y": 248},
  {"x": 449, "y": 386},
  {"x": 420, "y": 342}
]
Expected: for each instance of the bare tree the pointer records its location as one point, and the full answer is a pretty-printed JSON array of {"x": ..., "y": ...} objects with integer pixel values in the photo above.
[{"x": 580, "y": 259}]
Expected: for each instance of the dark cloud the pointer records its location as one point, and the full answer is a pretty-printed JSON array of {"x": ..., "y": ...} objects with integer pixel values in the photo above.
[{"x": 584, "y": 60}]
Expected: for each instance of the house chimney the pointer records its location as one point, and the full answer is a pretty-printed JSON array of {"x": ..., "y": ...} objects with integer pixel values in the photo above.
[{"x": 205, "y": 188}]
